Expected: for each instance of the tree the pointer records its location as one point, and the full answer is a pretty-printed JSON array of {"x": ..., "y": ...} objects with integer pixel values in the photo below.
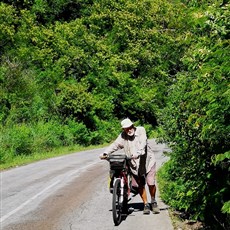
[{"x": 196, "y": 121}]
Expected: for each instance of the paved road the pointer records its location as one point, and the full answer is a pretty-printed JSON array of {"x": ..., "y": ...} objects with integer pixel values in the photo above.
[{"x": 70, "y": 193}]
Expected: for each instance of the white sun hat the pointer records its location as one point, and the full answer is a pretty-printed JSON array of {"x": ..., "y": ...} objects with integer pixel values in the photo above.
[{"x": 126, "y": 123}]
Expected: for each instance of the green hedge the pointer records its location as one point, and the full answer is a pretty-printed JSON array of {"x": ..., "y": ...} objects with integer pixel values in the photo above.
[{"x": 196, "y": 122}]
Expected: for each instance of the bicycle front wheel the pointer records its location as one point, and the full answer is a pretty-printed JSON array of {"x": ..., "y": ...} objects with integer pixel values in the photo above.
[{"x": 117, "y": 203}]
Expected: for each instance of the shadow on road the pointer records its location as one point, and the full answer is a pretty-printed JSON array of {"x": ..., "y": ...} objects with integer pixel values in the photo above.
[{"x": 136, "y": 207}]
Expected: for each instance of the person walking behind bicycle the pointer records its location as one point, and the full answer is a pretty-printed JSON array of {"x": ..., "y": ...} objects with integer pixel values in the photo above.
[{"x": 143, "y": 164}]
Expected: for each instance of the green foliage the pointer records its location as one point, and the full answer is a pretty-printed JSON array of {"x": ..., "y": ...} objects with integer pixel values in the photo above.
[
  {"x": 113, "y": 48},
  {"x": 226, "y": 207},
  {"x": 196, "y": 122},
  {"x": 222, "y": 159},
  {"x": 20, "y": 99},
  {"x": 8, "y": 22},
  {"x": 26, "y": 139},
  {"x": 71, "y": 70},
  {"x": 75, "y": 133},
  {"x": 73, "y": 100},
  {"x": 15, "y": 141},
  {"x": 105, "y": 130}
]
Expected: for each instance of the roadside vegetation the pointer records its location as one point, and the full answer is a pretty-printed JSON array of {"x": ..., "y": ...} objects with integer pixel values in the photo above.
[{"x": 71, "y": 70}]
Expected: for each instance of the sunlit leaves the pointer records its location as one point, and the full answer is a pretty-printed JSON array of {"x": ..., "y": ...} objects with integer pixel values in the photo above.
[
  {"x": 8, "y": 22},
  {"x": 196, "y": 118},
  {"x": 73, "y": 100}
]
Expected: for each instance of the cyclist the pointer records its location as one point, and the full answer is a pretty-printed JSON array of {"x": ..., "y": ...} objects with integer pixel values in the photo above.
[{"x": 143, "y": 165}]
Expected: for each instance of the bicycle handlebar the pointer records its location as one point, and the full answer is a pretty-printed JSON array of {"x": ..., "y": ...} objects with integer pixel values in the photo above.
[{"x": 107, "y": 157}]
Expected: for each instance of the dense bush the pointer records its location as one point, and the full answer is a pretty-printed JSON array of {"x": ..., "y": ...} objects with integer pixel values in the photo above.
[
  {"x": 26, "y": 139},
  {"x": 196, "y": 123}
]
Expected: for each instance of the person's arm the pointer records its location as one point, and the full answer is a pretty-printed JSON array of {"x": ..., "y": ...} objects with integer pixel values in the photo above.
[
  {"x": 116, "y": 145},
  {"x": 142, "y": 141}
]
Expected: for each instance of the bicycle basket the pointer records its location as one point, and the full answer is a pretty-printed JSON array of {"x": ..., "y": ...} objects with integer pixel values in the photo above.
[{"x": 117, "y": 162}]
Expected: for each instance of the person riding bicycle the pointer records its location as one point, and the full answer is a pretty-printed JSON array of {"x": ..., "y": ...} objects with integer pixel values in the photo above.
[{"x": 143, "y": 164}]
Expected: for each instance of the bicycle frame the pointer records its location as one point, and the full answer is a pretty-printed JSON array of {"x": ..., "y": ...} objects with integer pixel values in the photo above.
[
  {"x": 121, "y": 189},
  {"x": 124, "y": 182}
]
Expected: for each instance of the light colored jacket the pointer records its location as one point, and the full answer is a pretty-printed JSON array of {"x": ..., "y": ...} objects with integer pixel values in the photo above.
[{"x": 135, "y": 145}]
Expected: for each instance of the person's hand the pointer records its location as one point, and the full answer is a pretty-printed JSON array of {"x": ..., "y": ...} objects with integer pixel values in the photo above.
[{"x": 103, "y": 156}]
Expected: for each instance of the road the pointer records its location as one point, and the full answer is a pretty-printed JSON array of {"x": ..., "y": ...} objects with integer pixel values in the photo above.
[{"x": 70, "y": 193}]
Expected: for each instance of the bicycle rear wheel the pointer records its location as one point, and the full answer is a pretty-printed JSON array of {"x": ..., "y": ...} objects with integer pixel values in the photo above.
[{"x": 117, "y": 204}]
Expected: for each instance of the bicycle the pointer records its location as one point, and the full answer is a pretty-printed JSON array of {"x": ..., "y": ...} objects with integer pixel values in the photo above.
[{"x": 119, "y": 164}]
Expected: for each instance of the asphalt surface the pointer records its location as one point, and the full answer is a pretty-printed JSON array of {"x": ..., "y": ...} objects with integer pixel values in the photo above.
[{"x": 71, "y": 193}]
